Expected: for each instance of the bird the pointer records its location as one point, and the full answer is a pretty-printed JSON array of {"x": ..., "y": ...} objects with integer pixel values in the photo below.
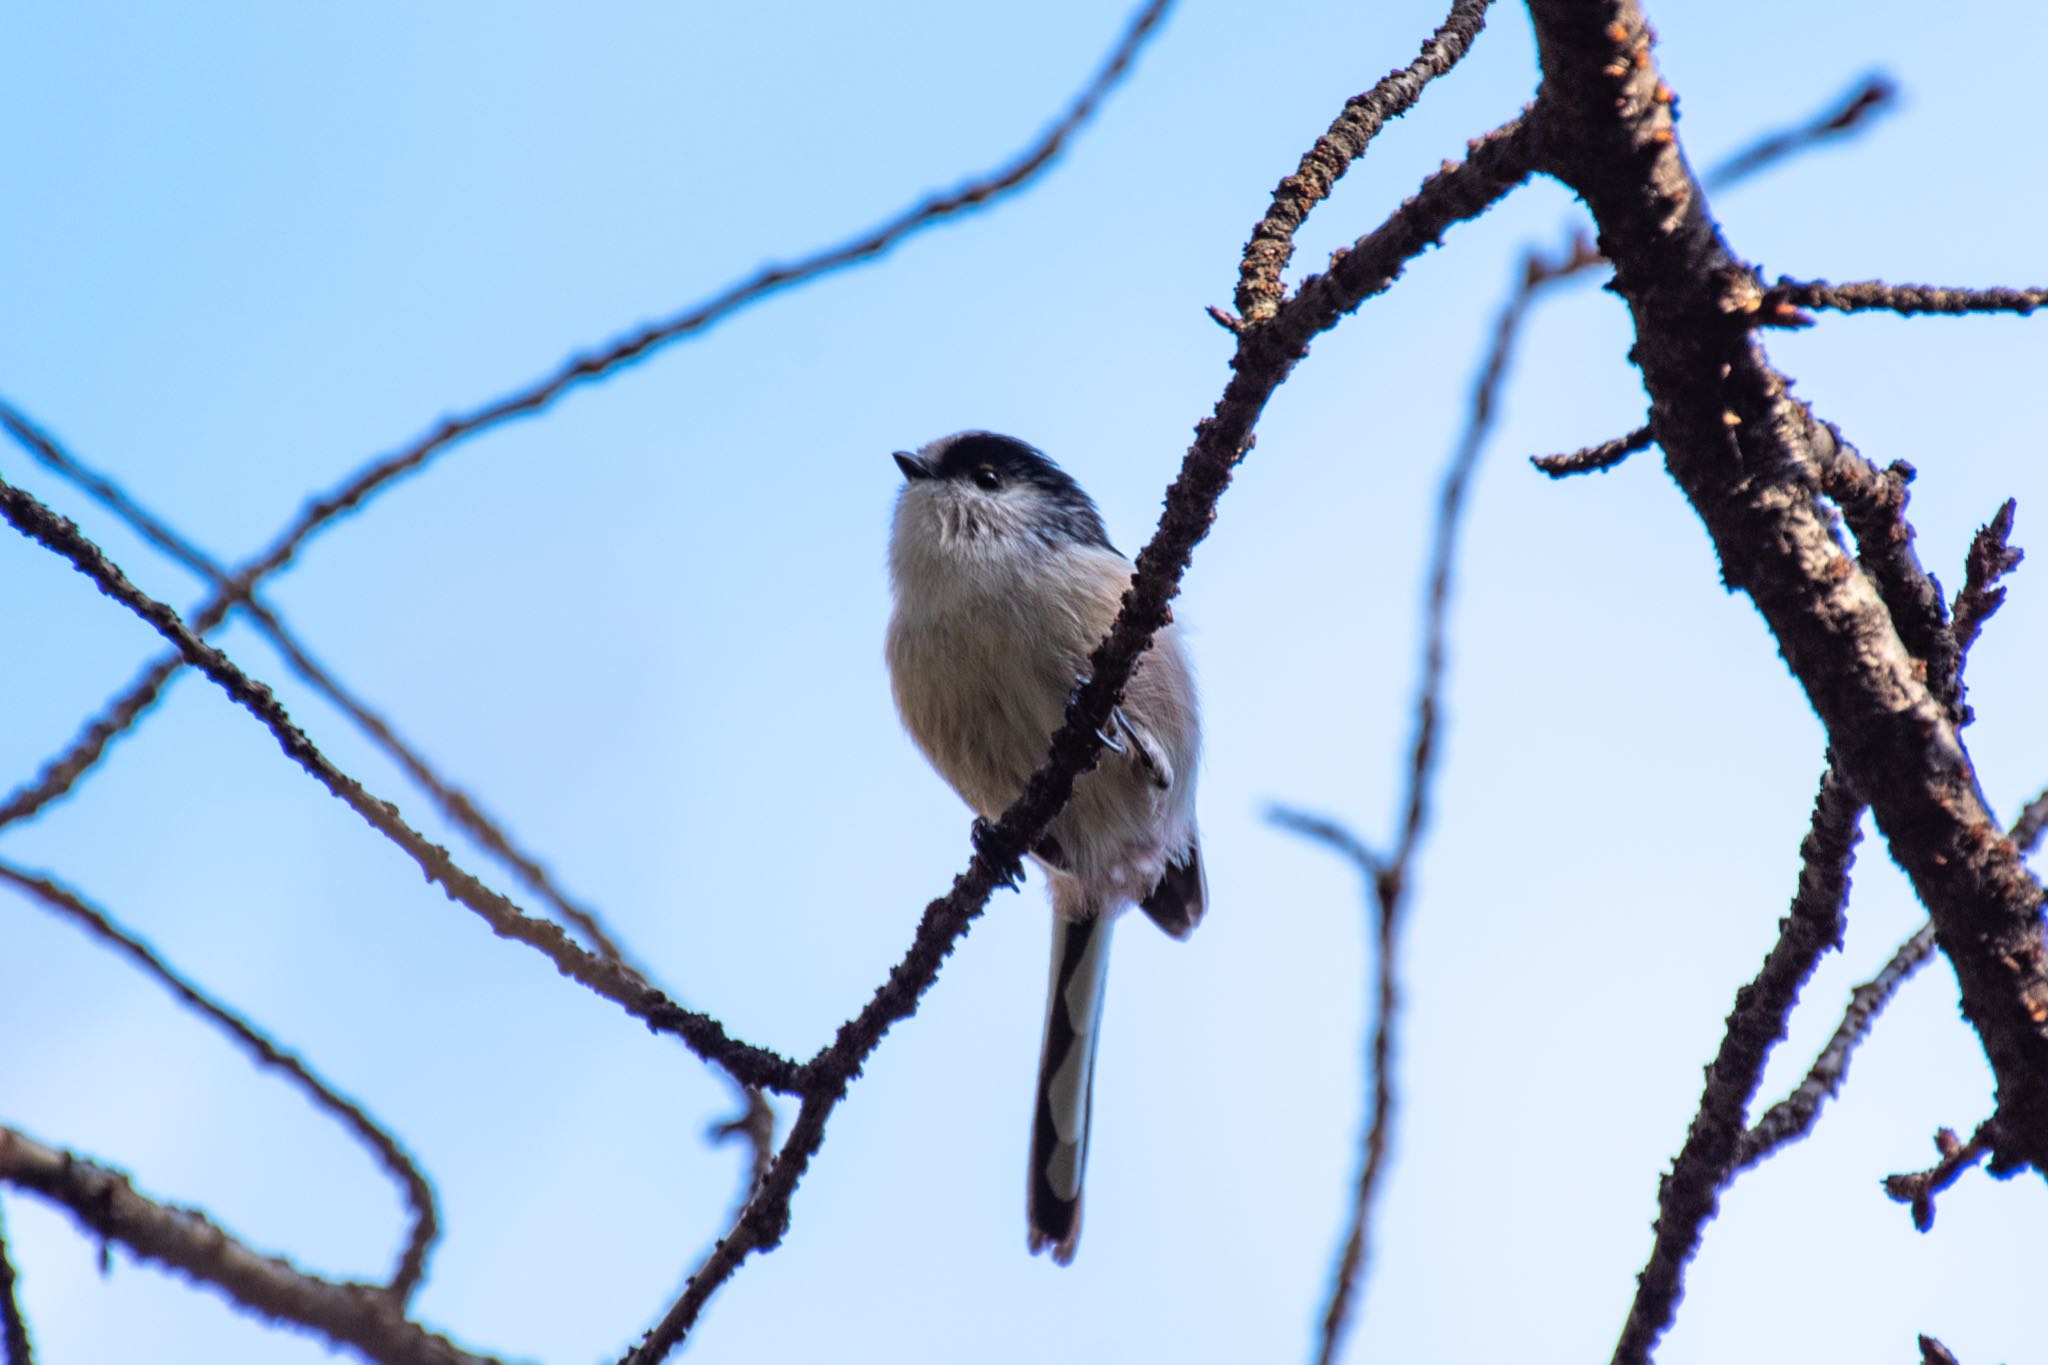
[{"x": 1004, "y": 582}]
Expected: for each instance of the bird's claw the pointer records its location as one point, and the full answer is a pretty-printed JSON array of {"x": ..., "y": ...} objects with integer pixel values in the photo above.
[
  {"x": 983, "y": 835},
  {"x": 1109, "y": 741}
]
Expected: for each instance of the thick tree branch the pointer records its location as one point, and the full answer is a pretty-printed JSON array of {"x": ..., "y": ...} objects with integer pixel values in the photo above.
[
  {"x": 364, "y": 1316},
  {"x": 1259, "y": 290},
  {"x": 1751, "y": 460},
  {"x": 704, "y": 1035},
  {"x": 396, "y": 1161}
]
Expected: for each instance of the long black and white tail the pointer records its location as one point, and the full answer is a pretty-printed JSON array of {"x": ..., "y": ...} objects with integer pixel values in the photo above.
[{"x": 1066, "y": 1081}]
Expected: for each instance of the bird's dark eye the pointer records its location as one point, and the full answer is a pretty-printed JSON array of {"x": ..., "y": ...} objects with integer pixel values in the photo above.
[{"x": 987, "y": 477}]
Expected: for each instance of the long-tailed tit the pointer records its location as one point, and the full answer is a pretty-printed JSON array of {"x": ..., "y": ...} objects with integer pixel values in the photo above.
[{"x": 1005, "y": 583}]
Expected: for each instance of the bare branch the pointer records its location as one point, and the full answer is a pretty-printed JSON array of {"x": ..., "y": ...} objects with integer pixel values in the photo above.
[
  {"x": 1389, "y": 878},
  {"x": 1908, "y": 299},
  {"x": 1688, "y": 1196},
  {"x": 397, "y": 1162},
  {"x": 702, "y": 1034},
  {"x": 1385, "y": 882},
  {"x": 454, "y": 803},
  {"x": 13, "y": 1326},
  {"x": 1323, "y": 830},
  {"x": 1933, "y": 1352},
  {"x": 1990, "y": 559},
  {"x": 1266, "y": 354},
  {"x": 1957, "y": 1156},
  {"x": 1875, "y": 95},
  {"x": 1259, "y": 291},
  {"x": 64, "y": 770},
  {"x": 367, "y": 1317},
  {"x": 1793, "y": 1117},
  {"x": 2026, "y": 831},
  {"x": 1745, "y": 452},
  {"x": 1595, "y": 459}
]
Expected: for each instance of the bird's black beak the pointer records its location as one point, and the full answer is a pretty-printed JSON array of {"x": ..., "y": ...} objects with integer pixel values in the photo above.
[{"x": 913, "y": 468}]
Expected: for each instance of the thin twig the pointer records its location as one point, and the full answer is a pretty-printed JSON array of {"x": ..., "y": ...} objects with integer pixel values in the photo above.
[
  {"x": 1389, "y": 878},
  {"x": 396, "y": 1161},
  {"x": 63, "y": 771},
  {"x": 1990, "y": 559},
  {"x": 1266, "y": 353},
  {"x": 1688, "y": 1196},
  {"x": 702, "y": 1034},
  {"x": 454, "y": 803},
  {"x": 1595, "y": 459},
  {"x": 13, "y": 1326},
  {"x": 1384, "y": 881},
  {"x": 1957, "y": 1156},
  {"x": 367, "y": 1317},
  {"x": 1266, "y": 255},
  {"x": 1933, "y": 1352},
  {"x": 1876, "y": 95},
  {"x": 1793, "y": 1117},
  {"x": 2027, "y": 830},
  {"x": 1907, "y": 299}
]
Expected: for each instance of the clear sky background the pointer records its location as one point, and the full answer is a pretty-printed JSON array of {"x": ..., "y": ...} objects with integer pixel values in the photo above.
[{"x": 248, "y": 247}]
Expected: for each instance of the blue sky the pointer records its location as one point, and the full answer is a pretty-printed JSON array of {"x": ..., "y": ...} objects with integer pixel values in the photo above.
[{"x": 249, "y": 247}]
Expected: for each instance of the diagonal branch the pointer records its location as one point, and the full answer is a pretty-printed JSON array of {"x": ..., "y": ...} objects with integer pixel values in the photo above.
[
  {"x": 454, "y": 803},
  {"x": 1748, "y": 457},
  {"x": 399, "y": 1164},
  {"x": 1793, "y": 1117},
  {"x": 1259, "y": 291},
  {"x": 1990, "y": 559},
  {"x": 1266, "y": 355},
  {"x": 701, "y": 1033},
  {"x": 365, "y": 1316},
  {"x": 1873, "y": 95},
  {"x": 1689, "y": 1195},
  {"x": 64, "y": 770}
]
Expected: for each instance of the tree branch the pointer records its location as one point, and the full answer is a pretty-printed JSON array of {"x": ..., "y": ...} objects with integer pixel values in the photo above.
[
  {"x": 1259, "y": 291},
  {"x": 454, "y": 803},
  {"x": 396, "y": 1161},
  {"x": 1595, "y": 459},
  {"x": 64, "y": 770},
  {"x": 701, "y": 1033},
  {"x": 1874, "y": 95},
  {"x": 1908, "y": 299},
  {"x": 1793, "y": 1117},
  {"x": 1688, "y": 1196},
  {"x": 1749, "y": 458},
  {"x": 1266, "y": 354},
  {"x": 365, "y": 1316},
  {"x": 14, "y": 1343},
  {"x": 1957, "y": 1156}
]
